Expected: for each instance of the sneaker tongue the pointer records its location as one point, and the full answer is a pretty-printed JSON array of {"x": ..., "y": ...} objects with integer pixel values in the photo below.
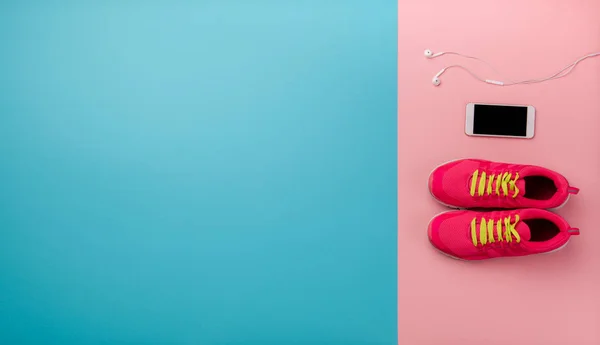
[
  {"x": 521, "y": 185},
  {"x": 523, "y": 230}
]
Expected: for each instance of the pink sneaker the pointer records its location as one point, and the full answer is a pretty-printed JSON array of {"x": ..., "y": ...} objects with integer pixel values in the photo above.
[
  {"x": 472, "y": 235},
  {"x": 474, "y": 183}
]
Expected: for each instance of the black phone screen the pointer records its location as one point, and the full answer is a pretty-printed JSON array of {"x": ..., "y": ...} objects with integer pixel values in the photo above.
[{"x": 500, "y": 120}]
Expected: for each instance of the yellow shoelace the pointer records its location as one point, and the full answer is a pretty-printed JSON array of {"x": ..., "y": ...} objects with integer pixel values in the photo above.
[
  {"x": 486, "y": 231},
  {"x": 485, "y": 186}
]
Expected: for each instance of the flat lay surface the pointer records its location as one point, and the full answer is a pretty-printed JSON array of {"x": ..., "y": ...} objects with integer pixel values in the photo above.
[{"x": 549, "y": 299}]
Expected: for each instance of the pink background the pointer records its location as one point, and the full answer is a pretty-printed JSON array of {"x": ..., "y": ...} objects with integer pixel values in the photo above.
[{"x": 544, "y": 299}]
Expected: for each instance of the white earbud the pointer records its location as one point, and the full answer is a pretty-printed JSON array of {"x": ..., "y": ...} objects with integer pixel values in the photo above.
[
  {"x": 436, "y": 79},
  {"x": 430, "y": 55}
]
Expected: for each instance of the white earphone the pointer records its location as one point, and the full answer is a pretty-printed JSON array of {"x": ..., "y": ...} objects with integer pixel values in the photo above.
[{"x": 562, "y": 73}]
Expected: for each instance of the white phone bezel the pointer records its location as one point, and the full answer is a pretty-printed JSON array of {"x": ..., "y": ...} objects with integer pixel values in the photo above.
[{"x": 530, "y": 121}]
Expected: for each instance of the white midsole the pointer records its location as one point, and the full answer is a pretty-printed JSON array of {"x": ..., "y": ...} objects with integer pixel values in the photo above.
[
  {"x": 433, "y": 196},
  {"x": 559, "y": 248},
  {"x": 561, "y": 205},
  {"x": 444, "y": 253}
]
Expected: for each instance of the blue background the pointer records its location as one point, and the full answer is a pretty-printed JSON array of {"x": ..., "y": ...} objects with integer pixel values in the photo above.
[{"x": 209, "y": 172}]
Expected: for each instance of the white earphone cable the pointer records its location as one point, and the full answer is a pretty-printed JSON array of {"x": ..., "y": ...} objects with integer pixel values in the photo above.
[
  {"x": 466, "y": 70},
  {"x": 474, "y": 58},
  {"x": 560, "y": 74}
]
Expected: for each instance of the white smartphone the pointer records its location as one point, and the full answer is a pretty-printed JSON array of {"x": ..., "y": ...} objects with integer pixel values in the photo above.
[{"x": 500, "y": 120}]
